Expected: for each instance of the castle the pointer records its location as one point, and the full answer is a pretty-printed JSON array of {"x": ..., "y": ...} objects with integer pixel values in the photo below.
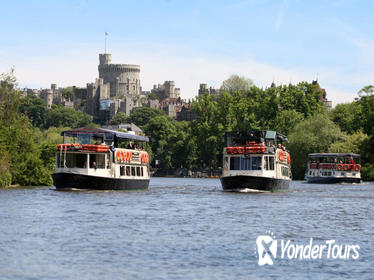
[{"x": 117, "y": 89}]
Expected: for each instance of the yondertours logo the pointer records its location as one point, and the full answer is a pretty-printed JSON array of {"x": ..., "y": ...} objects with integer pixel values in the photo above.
[{"x": 268, "y": 245}]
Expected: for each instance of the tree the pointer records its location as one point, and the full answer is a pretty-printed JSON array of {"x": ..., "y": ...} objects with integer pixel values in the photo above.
[
  {"x": 366, "y": 91},
  {"x": 236, "y": 83},
  {"x": 62, "y": 116},
  {"x": 208, "y": 129},
  {"x": 313, "y": 135},
  {"x": 348, "y": 116},
  {"x": 67, "y": 93},
  {"x": 349, "y": 143},
  {"x": 304, "y": 98},
  {"x": 142, "y": 115},
  {"x": 153, "y": 96},
  {"x": 286, "y": 120},
  {"x": 21, "y": 158},
  {"x": 35, "y": 109},
  {"x": 161, "y": 129},
  {"x": 119, "y": 118}
]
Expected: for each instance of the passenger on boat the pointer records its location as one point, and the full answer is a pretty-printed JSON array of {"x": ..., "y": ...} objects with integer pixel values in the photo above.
[{"x": 94, "y": 165}]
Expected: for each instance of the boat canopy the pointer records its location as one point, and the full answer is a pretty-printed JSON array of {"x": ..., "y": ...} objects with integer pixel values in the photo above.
[
  {"x": 320, "y": 155},
  {"x": 103, "y": 133}
]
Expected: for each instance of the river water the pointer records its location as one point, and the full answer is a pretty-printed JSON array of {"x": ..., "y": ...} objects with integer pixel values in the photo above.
[{"x": 184, "y": 229}]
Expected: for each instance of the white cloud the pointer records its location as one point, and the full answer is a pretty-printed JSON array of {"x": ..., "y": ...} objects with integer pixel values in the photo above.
[{"x": 281, "y": 14}]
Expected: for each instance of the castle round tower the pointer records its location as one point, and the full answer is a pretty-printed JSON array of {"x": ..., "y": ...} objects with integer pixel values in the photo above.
[{"x": 123, "y": 78}]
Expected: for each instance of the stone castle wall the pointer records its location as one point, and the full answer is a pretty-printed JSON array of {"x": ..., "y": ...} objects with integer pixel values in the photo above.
[{"x": 123, "y": 78}]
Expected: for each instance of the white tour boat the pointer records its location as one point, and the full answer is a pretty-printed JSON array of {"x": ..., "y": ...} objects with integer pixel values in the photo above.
[
  {"x": 256, "y": 160},
  {"x": 101, "y": 159},
  {"x": 333, "y": 168}
]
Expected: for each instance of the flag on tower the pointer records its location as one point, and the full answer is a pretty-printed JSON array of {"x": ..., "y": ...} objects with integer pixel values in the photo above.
[{"x": 106, "y": 34}]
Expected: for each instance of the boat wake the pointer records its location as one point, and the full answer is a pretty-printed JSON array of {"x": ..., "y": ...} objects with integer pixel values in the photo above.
[
  {"x": 252, "y": 191},
  {"x": 247, "y": 190}
]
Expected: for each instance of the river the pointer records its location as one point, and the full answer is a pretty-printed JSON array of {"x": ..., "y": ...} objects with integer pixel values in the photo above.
[{"x": 185, "y": 229}]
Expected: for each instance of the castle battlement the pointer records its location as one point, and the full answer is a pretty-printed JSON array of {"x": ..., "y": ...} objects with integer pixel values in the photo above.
[{"x": 119, "y": 67}]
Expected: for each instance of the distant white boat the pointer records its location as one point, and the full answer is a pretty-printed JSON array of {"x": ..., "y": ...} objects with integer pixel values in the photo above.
[{"x": 329, "y": 168}]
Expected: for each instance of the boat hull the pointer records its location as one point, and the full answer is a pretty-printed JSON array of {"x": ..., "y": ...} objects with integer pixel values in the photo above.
[
  {"x": 63, "y": 181},
  {"x": 232, "y": 183},
  {"x": 332, "y": 180}
]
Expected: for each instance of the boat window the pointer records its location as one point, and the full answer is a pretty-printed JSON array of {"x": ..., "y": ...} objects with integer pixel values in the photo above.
[
  {"x": 235, "y": 163},
  {"x": 284, "y": 171},
  {"x": 133, "y": 170},
  {"x": 73, "y": 160},
  {"x": 249, "y": 163},
  {"x": 128, "y": 173},
  {"x": 99, "y": 159},
  {"x": 141, "y": 171},
  {"x": 255, "y": 163},
  {"x": 122, "y": 170},
  {"x": 271, "y": 163},
  {"x": 138, "y": 171}
]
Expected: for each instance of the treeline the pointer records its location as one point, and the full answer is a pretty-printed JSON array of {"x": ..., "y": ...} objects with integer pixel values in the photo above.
[
  {"x": 28, "y": 135},
  {"x": 294, "y": 110},
  {"x": 29, "y": 132}
]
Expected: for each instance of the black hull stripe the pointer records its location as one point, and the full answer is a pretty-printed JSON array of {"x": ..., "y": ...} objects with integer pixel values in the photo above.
[
  {"x": 253, "y": 182},
  {"x": 68, "y": 181}
]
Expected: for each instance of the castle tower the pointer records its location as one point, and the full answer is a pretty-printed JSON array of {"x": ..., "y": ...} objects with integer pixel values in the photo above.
[
  {"x": 49, "y": 99},
  {"x": 123, "y": 78},
  {"x": 105, "y": 58}
]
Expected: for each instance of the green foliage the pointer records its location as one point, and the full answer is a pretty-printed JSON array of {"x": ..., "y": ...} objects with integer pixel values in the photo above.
[
  {"x": 236, "y": 83},
  {"x": 277, "y": 108},
  {"x": 152, "y": 96},
  {"x": 208, "y": 129},
  {"x": 348, "y": 116},
  {"x": 52, "y": 135},
  {"x": 18, "y": 139},
  {"x": 61, "y": 116},
  {"x": 367, "y": 172},
  {"x": 67, "y": 93},
  {"x": 367, "y": 156},
  {"x": 304, "y": 98},
  {"x": 5, "y": 175},
  {"x": 286, "y": 120},
  {"x": 161, "y": 130},
  {"x": 34, "y": 108},
  {"x": 349, "y": 143},
  {"x": 119, "y": 118},
  {"x": 171, "y": 143},
  {"x": 313, "y": 135},
  {"x": 367, "y": 105},
  {"x": 357, "y": 118},
  {"x": 141, "y": 116}
]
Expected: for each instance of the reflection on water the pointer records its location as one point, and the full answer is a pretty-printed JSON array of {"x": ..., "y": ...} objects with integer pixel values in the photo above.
[{"x": 180, "y": 229}]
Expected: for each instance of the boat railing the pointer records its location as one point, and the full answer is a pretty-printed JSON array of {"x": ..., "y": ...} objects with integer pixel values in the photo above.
[{"x": 336, "y": 166}]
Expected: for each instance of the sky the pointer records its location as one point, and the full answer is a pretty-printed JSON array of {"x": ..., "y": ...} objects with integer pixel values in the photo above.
[{"x": 192, "y": 42}]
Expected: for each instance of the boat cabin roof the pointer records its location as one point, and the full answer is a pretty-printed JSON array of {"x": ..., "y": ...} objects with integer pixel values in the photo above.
[
  {"x": 319, "y": 155},
  {"x": 106, "y": 134},
  {"x": 260, "y": 135}
]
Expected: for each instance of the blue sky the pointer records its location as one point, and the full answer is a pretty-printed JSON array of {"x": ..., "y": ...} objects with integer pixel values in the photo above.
[{"x": 192, "y": 42}]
